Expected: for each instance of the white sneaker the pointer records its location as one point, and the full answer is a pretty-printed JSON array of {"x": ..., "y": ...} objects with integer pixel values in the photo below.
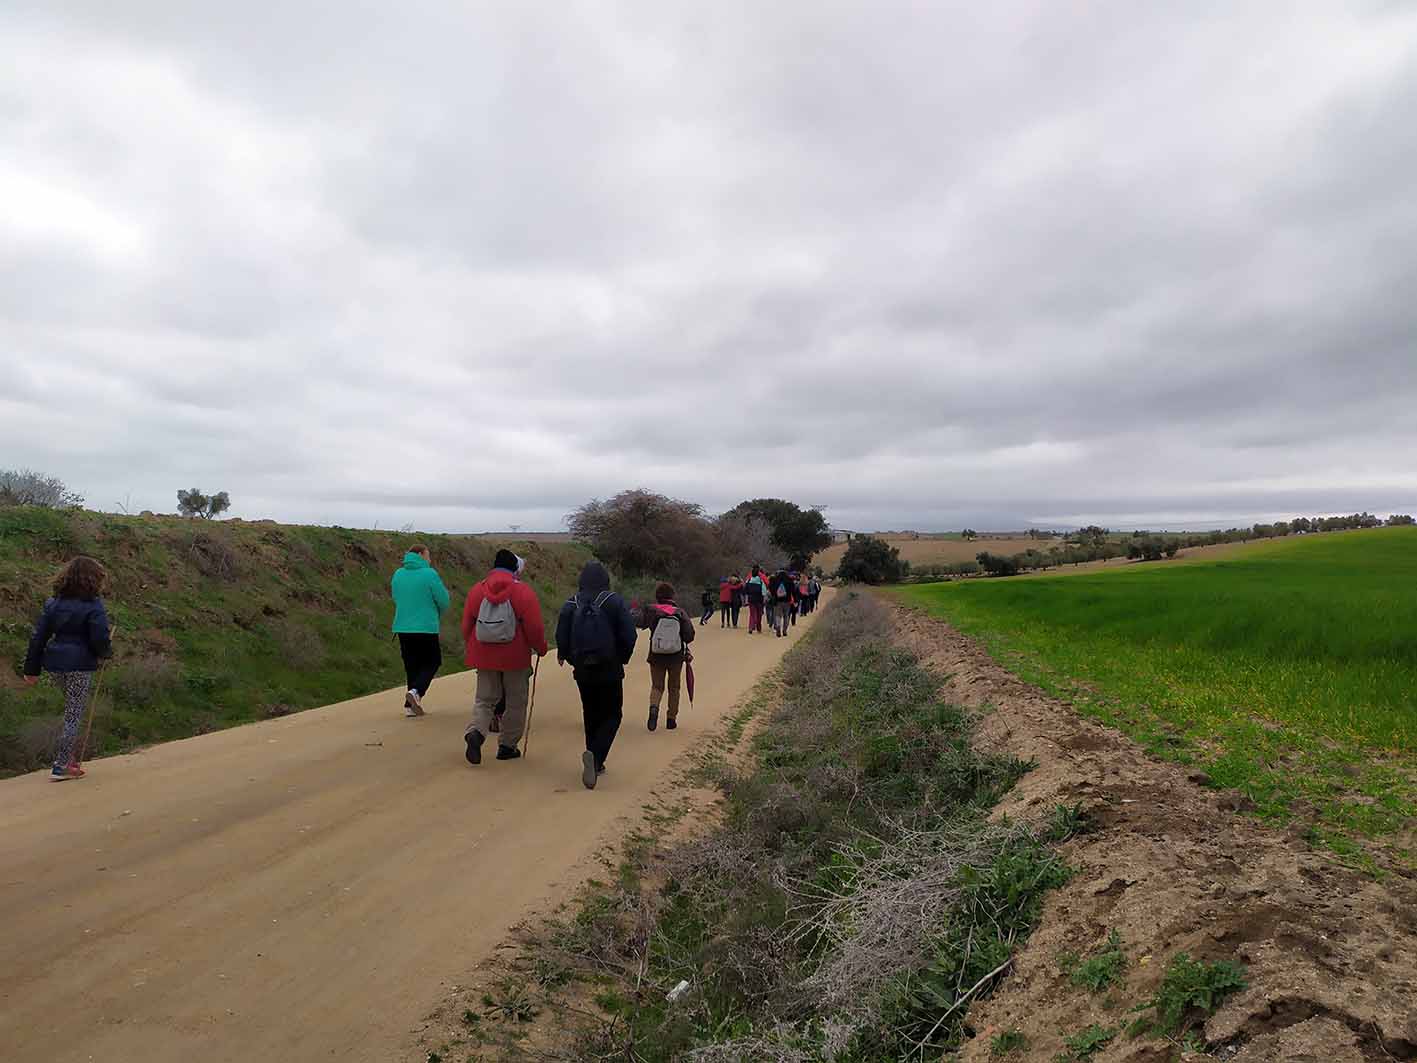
[{"x": 412, "y": 706}]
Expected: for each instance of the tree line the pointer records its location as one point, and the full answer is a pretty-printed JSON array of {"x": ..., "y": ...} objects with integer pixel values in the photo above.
[{"x": 643, "y": 534}]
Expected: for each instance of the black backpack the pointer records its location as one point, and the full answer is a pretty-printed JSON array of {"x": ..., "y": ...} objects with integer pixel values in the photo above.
[{"x": 592, "y": 637}]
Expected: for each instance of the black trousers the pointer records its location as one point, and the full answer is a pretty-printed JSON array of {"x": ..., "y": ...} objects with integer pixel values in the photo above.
[
  {"x": 737, "y": 608},
  {"x": 602, "y": 704},
  {"x": 422, "y": 657}
]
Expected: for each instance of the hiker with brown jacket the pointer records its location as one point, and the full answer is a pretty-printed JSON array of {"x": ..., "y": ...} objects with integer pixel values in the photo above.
[{"x": 670, "y": 632}]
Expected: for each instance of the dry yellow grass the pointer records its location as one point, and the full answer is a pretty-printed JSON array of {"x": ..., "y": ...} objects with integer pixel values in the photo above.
[{"x": 932, "y": 551}]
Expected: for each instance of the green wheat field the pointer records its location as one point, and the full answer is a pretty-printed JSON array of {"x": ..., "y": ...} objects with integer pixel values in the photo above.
[{"x": 1288, "y": 672}]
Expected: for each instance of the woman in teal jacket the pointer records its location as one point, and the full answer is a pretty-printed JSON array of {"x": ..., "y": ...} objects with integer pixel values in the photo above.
[{"x": 419, "y": 601}]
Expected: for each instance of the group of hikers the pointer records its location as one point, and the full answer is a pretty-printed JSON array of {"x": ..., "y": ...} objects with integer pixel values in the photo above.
[
  {"x": 505, "y": 637},
  {"x": 781, "y": 597},
  {"x": 502, "y": 630}
]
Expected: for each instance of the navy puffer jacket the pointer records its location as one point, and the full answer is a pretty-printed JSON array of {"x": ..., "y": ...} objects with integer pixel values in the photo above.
[{"x": 71, "y": 635}]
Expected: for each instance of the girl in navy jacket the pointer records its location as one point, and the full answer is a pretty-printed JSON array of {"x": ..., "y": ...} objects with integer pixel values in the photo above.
[{"x": 70, "y": 638}]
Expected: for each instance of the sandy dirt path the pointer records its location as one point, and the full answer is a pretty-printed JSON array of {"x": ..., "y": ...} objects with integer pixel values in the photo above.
[{"x": 304, "y": 888}]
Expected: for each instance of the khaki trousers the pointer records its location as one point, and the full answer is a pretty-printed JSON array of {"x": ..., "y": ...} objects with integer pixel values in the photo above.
[
  {"x": 659, "y": 676},
  {"x": 492, "y": 685}
]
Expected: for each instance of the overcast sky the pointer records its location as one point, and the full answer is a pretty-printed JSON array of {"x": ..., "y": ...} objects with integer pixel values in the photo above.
[{"x": 928, "y": 264}]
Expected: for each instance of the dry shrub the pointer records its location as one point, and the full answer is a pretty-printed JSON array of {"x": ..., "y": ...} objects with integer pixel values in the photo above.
[
  {"x": 299, "y": 645},
  {"x": 144, "y": 679},
  {"x": 37, "y": 739}
]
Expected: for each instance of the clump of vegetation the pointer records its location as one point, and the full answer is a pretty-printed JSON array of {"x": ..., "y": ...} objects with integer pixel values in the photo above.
[
  {"x": 1190, "y": 990},
  {"x": 1007, "y": 1043},
  {"x": 1099, "y": 971},
  {"x": 192, "y": 503},
  {"x": 1086, "y": 1043},
  {"x": 644, "y": 536},
  {"x": 25, "y": 487},
  {"x": 1265, "y": 669},
  {"x": 871, "y": 560},
  {"x": 855, "y": 899}
]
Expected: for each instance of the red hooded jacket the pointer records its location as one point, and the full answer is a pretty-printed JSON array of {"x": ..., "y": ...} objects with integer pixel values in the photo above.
[{"x": 499, "y": 586}]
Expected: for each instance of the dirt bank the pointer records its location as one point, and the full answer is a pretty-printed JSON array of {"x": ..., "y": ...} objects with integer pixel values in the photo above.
[{"x": 1174, "y": 866}]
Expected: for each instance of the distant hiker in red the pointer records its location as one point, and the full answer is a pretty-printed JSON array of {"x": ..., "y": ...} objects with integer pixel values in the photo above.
[
  {"x": 70, "y": 638},
  {"x": 725, "y": 601},
  {"x": 735, "y": 589},
  {"x": 670, "y": 632},
  {"x": 502, "y": 626}
]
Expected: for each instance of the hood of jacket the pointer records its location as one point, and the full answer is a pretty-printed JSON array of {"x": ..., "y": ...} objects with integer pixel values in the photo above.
[
  {"x": 412, "y": 561},
  {"x": 499, "y": 584},
  {"x": 594, "y": 579}
]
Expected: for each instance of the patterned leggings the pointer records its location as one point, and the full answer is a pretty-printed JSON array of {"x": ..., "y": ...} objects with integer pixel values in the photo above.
[{"x": 76, "y": 687}]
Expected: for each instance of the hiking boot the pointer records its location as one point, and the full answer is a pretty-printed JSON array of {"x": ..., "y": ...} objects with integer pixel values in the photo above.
[
  {"x": 496, "y": 725},
  {"x": 588, "y": 769},
  {"x": 474, "y": 741},
  {"x": 653, "y": 717},
  {"x": 412, "y": 704},
  {"x": 671, "y": 724},
  {"x": 73, "y": 771},
  {"x": 508, "y": 752}
]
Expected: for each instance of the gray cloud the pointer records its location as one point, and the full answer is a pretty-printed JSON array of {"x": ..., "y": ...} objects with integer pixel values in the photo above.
[{"x": 929, "y": 265}]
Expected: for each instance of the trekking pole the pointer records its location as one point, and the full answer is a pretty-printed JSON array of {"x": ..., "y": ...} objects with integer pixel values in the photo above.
[
  {"x": 93, "y": 710},
  {"x": 93, "y": 701},
  {"x": 531, "y": 705}
]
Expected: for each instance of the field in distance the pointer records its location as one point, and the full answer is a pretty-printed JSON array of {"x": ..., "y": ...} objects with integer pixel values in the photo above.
[
  {"x": 940, "y": 548},
  {"x": 1288, "y": 670}
]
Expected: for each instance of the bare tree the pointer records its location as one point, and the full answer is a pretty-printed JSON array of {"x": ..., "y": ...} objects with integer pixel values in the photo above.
[{"x": 25, "y": 487}]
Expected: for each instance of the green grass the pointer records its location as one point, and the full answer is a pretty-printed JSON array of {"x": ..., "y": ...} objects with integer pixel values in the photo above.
[
  {"x": 1288, "y": 672},
  {"x": 224, "y": 623},
  {"x": 1102, "y": 970}
]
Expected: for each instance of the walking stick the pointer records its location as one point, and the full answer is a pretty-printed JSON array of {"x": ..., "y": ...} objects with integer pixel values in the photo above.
[
  {"x": 93, "y": 709},
  {"x": 531, "y": 706},
  {"x": 93, "y": 700}
]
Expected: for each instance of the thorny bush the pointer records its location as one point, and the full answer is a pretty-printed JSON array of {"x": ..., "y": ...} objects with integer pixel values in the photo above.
[{"x": 853, "y": 899}]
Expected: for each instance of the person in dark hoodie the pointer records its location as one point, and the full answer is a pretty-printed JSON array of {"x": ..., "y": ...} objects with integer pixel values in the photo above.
[
  {"x": 783, "y": 595},
  {"x": 420, "y": 599},
  {"x": 70, "y": 638},
  {"x": 596, "y": 633},
  {"x": 668, "y": 650},
  {"x": 502, "y": 627}
]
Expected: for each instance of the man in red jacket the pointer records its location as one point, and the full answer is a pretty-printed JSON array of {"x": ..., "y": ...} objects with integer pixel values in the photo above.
[{"x": 502, "y": 627}]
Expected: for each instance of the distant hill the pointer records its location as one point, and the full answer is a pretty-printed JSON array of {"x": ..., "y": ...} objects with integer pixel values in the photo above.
[{"x": 226, "y": 622}]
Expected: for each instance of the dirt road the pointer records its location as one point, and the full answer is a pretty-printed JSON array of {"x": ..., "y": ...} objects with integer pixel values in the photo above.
[{"x": 304, "y": 889}]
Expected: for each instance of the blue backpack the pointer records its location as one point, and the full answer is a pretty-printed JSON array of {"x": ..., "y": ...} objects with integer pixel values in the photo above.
[{"x": 592, "y": 637}]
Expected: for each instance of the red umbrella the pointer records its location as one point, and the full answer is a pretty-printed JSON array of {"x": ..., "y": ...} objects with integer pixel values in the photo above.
[{"x": 689, "y": 679}]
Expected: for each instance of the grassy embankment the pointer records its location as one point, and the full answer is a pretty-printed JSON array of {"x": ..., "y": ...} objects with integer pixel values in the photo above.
[
  {"x": 224, "y": 623},
  {"x": 847, "y": 905},
  {"x": 1288, "y": 672}
]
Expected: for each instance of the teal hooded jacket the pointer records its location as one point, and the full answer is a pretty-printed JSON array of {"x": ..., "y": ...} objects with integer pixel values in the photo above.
[{"x": 419, "y": 597}]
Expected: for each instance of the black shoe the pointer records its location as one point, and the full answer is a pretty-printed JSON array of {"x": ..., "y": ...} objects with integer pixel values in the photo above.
[
  {"x": 588, "y": 770},
  {"x": 508, "y": 752},
  {"x": 653, "y": 717},
  {"x": 474, "y": 741},
  {"x": 671, "y": 724}
]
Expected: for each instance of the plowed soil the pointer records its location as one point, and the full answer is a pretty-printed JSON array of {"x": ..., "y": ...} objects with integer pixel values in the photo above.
[{"x": 1176, "y": 866}]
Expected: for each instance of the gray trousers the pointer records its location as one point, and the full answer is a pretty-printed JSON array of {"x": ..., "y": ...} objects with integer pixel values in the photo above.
[{"x": 492, "y": 685}]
